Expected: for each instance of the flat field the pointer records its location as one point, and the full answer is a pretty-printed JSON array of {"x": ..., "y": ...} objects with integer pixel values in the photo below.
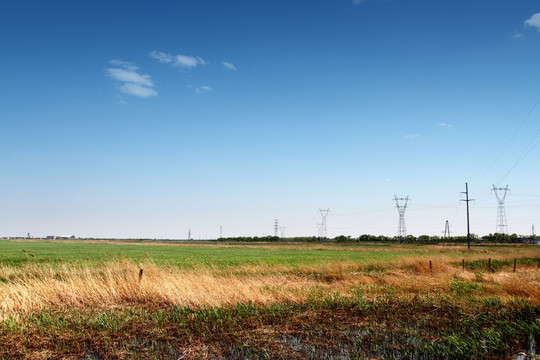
[{"x": 169, "y": 300}]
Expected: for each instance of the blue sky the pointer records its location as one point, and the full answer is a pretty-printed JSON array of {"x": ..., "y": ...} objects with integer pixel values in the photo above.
[{"x": 146, "y": 119}]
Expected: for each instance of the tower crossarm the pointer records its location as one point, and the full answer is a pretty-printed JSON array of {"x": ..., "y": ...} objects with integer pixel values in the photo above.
[{"x": 496, "y": 190}]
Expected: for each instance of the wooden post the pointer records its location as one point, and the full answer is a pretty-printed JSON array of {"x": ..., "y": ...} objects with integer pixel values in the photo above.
[
  {"x": 538, "y": 264},
  {"x": 140, "y": 275},
  {"x": 430, "y": 267},
  {"x": 463, "y": 264},
  {"x": 489, "y": 264},
  {"x": 515, "y": 263}
]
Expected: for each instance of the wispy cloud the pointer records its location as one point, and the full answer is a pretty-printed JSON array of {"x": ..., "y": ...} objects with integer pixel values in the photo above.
[
  {"x": 179, "y": 60},
  {"x": 517, "y": 35},
  {"x": 412, "y": 136},
  {"x": 138, "y": 90},
  {"x": 358, "y": 2},
  {"x": 202, "y": 89},
  {"x": 534, "y": 21},
  {"x": 125, "y": 64},
  {"x": 133, "y": 83},
  {"x": 130, "y": 76},
  {"x": 444, "y": 125},
  {"x": 229, "y": 66}
]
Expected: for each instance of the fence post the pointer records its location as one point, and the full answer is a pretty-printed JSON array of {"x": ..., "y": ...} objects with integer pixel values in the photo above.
[
  {"x": 463, "y": 264},
  {"x": 515, "y": 263},
  {"x": 489, "y": 264},
  {"x": 140, "y": 275},
  {"x": 430, "y": 267}
]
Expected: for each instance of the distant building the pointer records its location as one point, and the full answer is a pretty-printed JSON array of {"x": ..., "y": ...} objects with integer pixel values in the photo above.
[{"x": 61, "y": 237}]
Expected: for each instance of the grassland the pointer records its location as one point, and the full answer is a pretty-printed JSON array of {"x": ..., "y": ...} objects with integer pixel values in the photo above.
[{"x": 76, "y": 300}]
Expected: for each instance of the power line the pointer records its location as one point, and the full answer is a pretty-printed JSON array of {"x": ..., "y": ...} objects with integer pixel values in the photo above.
[
  {"x": 528, "y": 149},
  {"x": 503, "y": 150}
]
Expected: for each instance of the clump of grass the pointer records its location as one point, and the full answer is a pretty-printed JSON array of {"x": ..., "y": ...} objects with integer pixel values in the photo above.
[
  {"x": 525, "y": 284},
  {"x": 463, "y": 287}
]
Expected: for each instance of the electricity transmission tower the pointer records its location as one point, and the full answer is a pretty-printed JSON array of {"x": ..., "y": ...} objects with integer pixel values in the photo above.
[
  {"x": 401, "y": 206},
  {"x": 322, "y": 228},
  {"x": 282, "y": 231},
  {"x": 276, "y": 228},
  {"x": 446, "y": 230},
  {"x": 502, "y": 226}
]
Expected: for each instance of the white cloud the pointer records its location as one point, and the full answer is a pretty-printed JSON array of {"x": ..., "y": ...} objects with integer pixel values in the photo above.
[
  {"x": 229, "y": 65},
  {"x": 161, "y": 56},
  {"x": 534, "y": 21},
  {"x": 517, "y": 35},
  {"x": 412, "y": 136},
  {"x": 202, "y": 89},
  {"x": 358, "y": 2},
  {"x": 137, "y": 90},
  {"x": 387, "y": 180},
  {"x": 125, "y": 64},
  {"x": 177, "y": 60},
  {"x": 130, "y": 76},
  {"x": 188, "y": 61},
  {"x": 133, "y": 83},
  {"x": 444, "y": 125}
]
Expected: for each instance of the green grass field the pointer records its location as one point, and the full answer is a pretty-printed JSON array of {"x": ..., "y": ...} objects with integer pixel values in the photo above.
[{"x": 185, "y": 255}]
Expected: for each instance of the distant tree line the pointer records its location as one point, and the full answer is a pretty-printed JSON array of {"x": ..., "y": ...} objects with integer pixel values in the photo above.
[{"x": 496, "y": 238}]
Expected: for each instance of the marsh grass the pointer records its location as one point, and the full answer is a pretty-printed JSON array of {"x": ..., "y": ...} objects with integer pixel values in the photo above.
[{"x": 432, "y": 326}]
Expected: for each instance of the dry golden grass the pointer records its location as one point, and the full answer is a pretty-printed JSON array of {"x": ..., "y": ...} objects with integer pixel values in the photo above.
[{"x": 35, "y": 287}]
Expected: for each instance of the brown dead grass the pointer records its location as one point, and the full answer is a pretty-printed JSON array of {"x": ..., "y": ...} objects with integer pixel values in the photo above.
[{"x": 34, "y": 287}]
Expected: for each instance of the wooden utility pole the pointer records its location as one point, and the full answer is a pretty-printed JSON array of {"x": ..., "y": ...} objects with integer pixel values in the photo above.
[{"x": 468, "y": 227}]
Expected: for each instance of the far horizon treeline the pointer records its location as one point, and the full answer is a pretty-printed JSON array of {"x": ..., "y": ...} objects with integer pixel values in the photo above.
[
  {"x": 496, "y": 238},
  {"x": 409, "y": 239}
]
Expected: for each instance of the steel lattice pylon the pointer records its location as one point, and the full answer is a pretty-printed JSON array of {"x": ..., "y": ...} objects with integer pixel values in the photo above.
[
  {"x": 446, "y": 230},
  {"x": 502, "y": 226},
  {"x": 401, "y": 205},
  {"x": 322, "y": 227}
]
